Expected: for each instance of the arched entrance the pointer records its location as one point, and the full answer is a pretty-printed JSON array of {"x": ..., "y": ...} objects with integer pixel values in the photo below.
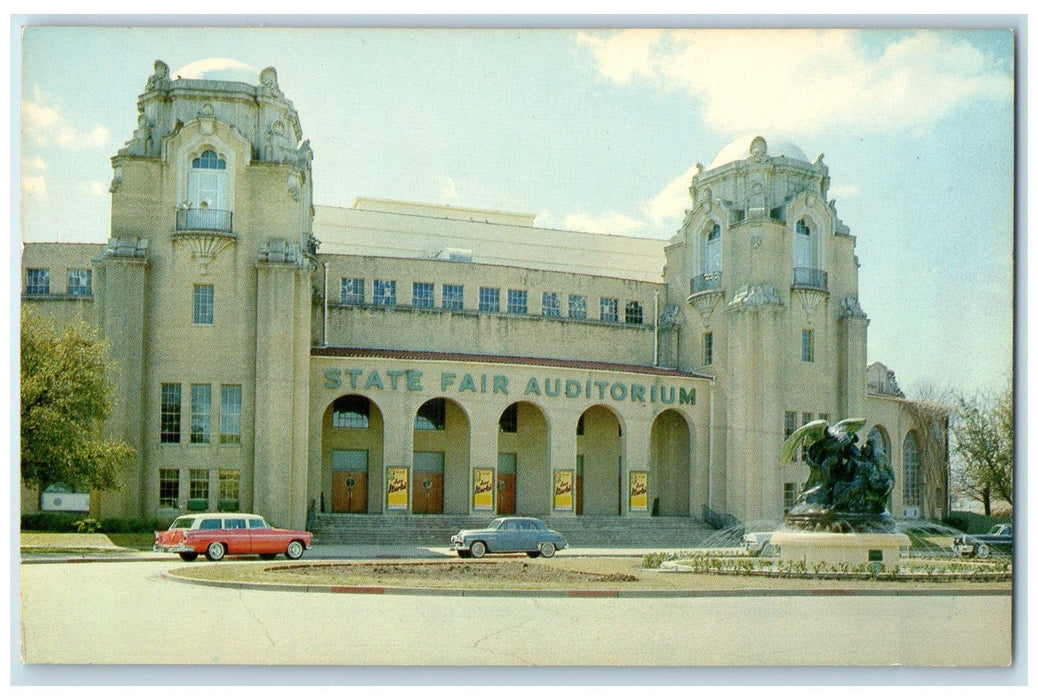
[
  {"x": 599, "y": 482},
  {"x": 523, "y": 480},
  {"x": 440, "y": 461},
  {"x": 670, "y": 467},
  {"x": 351, "y": 456}
]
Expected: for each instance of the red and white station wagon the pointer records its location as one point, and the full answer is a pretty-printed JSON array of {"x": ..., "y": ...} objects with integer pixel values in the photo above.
[{"x": 219, "y": 534}]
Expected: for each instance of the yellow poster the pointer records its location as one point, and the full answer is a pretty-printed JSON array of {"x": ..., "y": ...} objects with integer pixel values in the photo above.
[
  {"x": 564, "y": 489},
  {"x": 483, "y": 489},
  {"x": 639, "y": 490},
  {"x": 396, "y": 492}
]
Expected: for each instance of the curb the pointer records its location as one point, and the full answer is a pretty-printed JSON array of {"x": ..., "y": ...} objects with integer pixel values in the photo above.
[{"x": 577, "y": 593}]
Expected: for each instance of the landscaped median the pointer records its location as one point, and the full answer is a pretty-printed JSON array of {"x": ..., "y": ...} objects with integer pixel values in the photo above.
[{"x": 566, "y": 576}]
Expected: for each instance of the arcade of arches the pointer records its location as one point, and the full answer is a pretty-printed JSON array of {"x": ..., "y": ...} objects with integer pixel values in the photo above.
[{"x": 443, "y": 477}]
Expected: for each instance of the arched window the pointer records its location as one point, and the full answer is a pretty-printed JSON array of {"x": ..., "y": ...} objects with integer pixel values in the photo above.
[
  {"x": 912, "y": 476},
  {"x": 712, "y": 249},
  {"x": 206, "y": 184},
  {"x": 879, "y": 436},
  {"x": 804, "y": 249}
]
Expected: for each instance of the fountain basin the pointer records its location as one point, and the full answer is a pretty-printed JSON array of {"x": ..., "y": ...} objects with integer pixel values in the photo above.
[{"x": 833, "y": 548}]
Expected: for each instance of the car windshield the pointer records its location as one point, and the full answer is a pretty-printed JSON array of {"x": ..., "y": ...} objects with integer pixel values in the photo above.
[
  {"x": 182, "y": 523},
  {"x": 496, "y": 524},
  {"x": 258, "y": 524}
]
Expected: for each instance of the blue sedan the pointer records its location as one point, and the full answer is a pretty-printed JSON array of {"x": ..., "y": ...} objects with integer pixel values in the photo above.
[{"x": 509, "y": 535}]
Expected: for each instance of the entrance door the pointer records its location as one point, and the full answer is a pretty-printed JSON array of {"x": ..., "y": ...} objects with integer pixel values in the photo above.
[
  {"x": 506, "y": 466},
  {"x": 349, "y": 481},
  {"x": 427, "y": 486}
]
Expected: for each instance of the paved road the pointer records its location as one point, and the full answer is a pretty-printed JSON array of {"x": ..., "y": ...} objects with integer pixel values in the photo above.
[{"x": 120, "y": 612}]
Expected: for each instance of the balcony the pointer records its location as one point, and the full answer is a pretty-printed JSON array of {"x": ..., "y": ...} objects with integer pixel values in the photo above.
[
  {"x": 810, "y": 278},
  {"x": 708, "y": 282},
  {"x": 216, "y": 220}
]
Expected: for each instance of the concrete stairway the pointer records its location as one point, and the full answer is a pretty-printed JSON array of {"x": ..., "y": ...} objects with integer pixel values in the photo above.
[{"x": 580, "y": 531}]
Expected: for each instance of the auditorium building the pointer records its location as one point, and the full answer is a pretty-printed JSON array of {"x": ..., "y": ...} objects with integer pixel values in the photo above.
[{"x": 276, "y": 356}]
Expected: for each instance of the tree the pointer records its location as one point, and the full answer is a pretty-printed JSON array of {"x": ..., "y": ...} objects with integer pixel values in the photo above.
[
  {"x": 65, "y": 396},
  {"x": 983, "y": 432},
  {"x": 929, "y": 411}
]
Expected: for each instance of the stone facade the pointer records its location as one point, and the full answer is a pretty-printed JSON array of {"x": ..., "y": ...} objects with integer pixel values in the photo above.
[{"x": 445, "y": 360}]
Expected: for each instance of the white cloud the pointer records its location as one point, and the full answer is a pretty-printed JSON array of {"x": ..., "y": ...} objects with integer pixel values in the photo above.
[
  {"x": 44, "y": 124},
  {"x": 672, "y": 200},
  {"x": 843, "y": 192},
  {"x": 217, "y": 69},
  {"x": 805, "y": 79},
  {"x": 34, "y": 185},
  {"x": 448, "y": 191}
]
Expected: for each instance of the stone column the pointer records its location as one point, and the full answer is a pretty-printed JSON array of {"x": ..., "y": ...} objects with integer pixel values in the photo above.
[
  {"x": 562, "y": 454},
  {"x": 397, "y": 447}
]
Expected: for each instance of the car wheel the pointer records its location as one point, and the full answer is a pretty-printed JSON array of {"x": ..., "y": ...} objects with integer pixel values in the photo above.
[
  {"x": 268, "y": 556},
  {"x": 547, "y": 550},
  {"x": 188, "y": 556},
  {"x": 477, "y": 550},
  {"x": 294, "y": 550},
  {"x": 215, "y": 551},
  {"x": 533, "y": 555},
  {"x": 983, "y": 551}
]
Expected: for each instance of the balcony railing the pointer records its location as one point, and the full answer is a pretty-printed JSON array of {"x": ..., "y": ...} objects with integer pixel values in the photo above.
[
  {"x": 810, "y": 278},
  {"x": 706, "y": 282},
  {"x": 204, "y": 220}
]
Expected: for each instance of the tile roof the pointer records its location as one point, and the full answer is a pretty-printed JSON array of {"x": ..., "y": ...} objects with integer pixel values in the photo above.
[{"x": 502, "y": 359}]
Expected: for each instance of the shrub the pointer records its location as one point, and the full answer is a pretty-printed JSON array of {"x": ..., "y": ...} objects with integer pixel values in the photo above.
[
  {"x": 50, "y": 522},
  {"x": 87, "y": 526}
]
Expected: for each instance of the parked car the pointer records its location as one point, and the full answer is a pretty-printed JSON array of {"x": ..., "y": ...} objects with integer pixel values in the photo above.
[
  {"x": 509, "y": 535},
  {"x": 998, "y": 539},
  {"x": 218, "y": 534},
  {"x": 756, "y": 543}
]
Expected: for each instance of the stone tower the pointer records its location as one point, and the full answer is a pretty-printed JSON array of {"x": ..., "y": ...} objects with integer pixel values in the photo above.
[
  {"x": 211, "y": 245},
  {"x": 769, "y": 280}
]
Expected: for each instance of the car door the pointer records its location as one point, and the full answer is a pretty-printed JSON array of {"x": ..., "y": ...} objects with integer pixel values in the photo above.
[
  {"x": 506, "y": 537},
  {"x": 236, "y": 536},
  {"x": 264, "y": 539}
]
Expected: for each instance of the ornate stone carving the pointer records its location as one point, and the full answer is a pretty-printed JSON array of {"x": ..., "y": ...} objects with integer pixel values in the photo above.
[
  {"x": 277, "y": 250},
  {"x": 706, "y": 303},
  {"x": 126, "y": 247},
  {"x": 269, "y": 81},
  {"x": 758, "y": 149},
  {"x": 851, "y": 308},
  {"x": 205, "y": 248},
  {"x": 809, "y": 300},
  {"x": 754, "y": 297},
  {"x": 295, "y": 183},
  {"x": 669, "y": 318},
  {"x": 160, "y": 79}
]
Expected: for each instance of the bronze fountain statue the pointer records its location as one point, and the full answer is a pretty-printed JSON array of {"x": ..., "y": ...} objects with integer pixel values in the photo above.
[{"x": 849, "y": 486}]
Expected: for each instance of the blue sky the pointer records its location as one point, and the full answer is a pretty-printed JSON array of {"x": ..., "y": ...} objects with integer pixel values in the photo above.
[{"x": 600, "y": 131}]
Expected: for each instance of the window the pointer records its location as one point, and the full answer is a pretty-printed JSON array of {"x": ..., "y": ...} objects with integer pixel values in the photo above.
[
  {"x": 807, "y": 345},
  {"x": 789, "y": 426},
  {"x": 911, "y": 458},
  {"x": 489, "y": 299},
  {"x": 79, "y": 282},
  {"x": 804, "y": 247},
  {"x": 422, "y": 295},
  {"x": 37, "y": 281},
  {"x": 351, "y": 412},
  {"x": 169, "y": 414},
  {"x": 383, "y": 292},
  {"x": 550, "y": 304},
  {"x": 198, "y": 489},
  {"x": 712, "y": 250},
  {"x": 509, "y": 422},
  {"x": 351, "y": 290},
  {"x": 203, "y": 305},
  {"x": 230, "y": 414},
  {"x": 805, "y": 418},
  {"x": 790, "y": 493},
  {"x": 206, "y": 181},
  {"x": 201, "y": 403},
  {"x": 431, "y": 415},
  {"x": 609, "y": 310},
  {"x": 708, "y": 348},
  {"x": 453, "y": 296},
  {"x": 169, "y": 488},
  {"x": 633, "y": 313},
  {"x": 229, "y": 485},
  {"x": 517, "y": 301},
  {"x": 577, "y": 306}
]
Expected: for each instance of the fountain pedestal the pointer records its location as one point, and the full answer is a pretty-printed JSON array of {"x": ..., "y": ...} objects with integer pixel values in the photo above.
[{"x": 834, "y": 548}]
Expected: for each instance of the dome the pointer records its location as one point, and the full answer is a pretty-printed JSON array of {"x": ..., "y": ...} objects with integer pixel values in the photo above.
[
  {"x": 225, "y": 69},
  {"x": 741, "y": 149}
]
